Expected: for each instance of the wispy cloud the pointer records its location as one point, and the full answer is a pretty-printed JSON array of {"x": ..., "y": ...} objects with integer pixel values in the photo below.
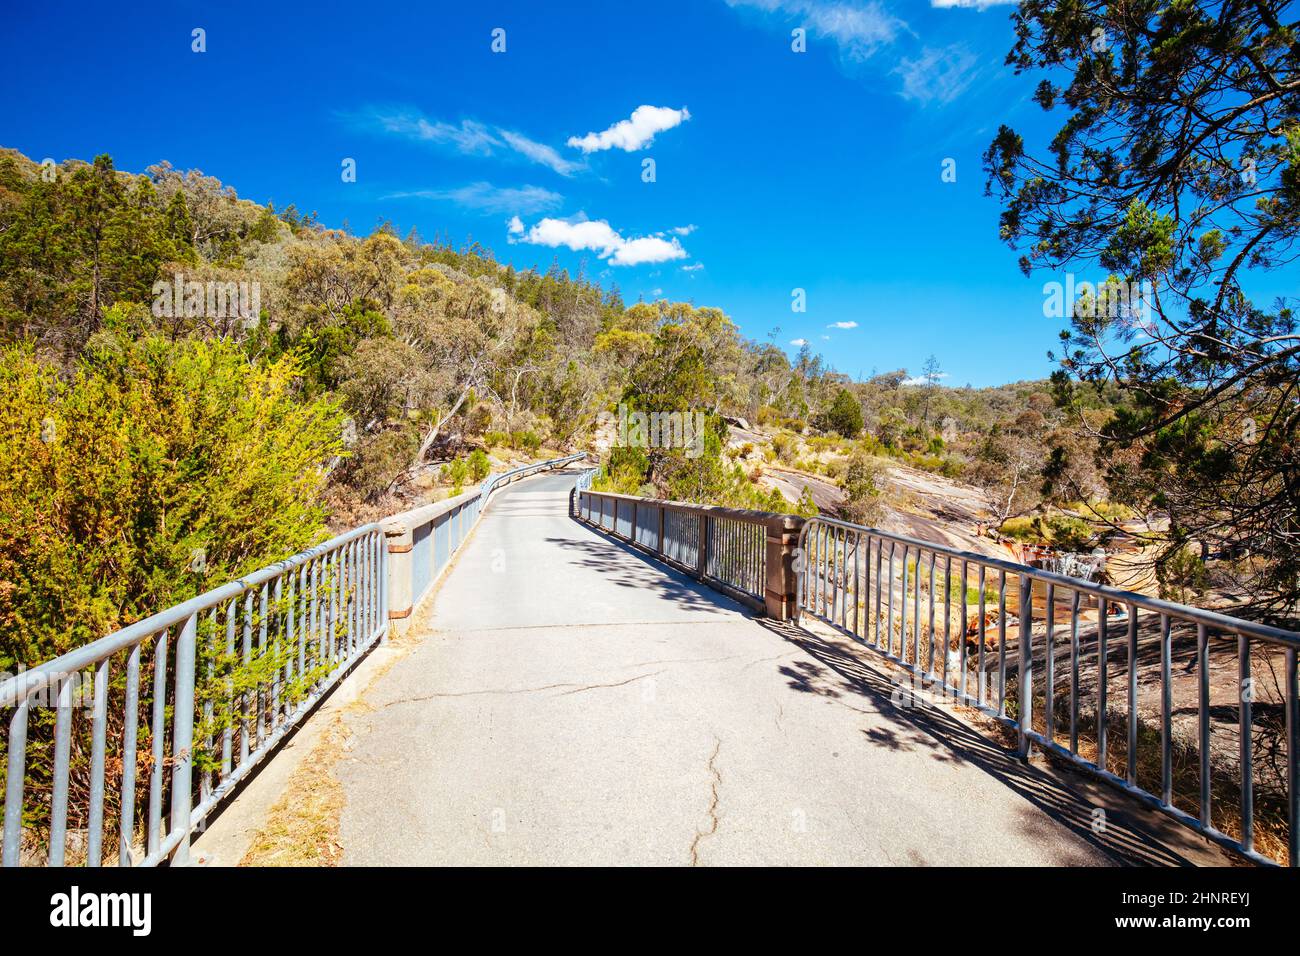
[
  {"x": 633, "y": 133},
  {"x": 938, "y": 75},
  {"x": 693, "y": 267},
  {"x": 842, "y": 325},
  {"x": 858, "y": 27},
  {"x": 484, "y": 197},
  {"x": 468, "y": 136},
  {"x": 600, "y": 237},
  {"x": 540, "y": 153}
]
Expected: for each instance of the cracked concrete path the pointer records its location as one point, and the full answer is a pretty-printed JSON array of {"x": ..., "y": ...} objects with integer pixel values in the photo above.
[{"x": 571, "y": 702}]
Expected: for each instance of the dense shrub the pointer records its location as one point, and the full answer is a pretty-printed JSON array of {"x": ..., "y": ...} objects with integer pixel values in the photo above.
[{"x": 113, "y": 478}]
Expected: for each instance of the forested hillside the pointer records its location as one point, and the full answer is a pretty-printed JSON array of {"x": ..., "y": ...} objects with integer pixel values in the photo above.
[{"x": 184, "y": 372}]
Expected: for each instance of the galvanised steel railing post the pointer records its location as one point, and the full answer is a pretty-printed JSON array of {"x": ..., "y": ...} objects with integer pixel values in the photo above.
[
  {"x": 183, "y": 740},
  {"x": 383, "y": 590},
  {"x": 1026, "y": 666},
  {"x": 13, "y": 825}
]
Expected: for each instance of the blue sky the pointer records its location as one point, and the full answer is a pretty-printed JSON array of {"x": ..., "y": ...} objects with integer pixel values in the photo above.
[{"x": 818, "y": 171}]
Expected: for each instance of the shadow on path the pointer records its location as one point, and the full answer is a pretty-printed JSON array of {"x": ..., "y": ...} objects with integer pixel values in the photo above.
[
  {"x": 625, "y": 566},
  {"x": 1124, "y": 839}
]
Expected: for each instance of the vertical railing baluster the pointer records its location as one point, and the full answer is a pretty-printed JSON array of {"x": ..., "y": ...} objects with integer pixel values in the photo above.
[
  {"x": 981, "y": 627},
  {"x": 62, "y": 757},
  {"x": 205, "y": 781},
  {"x": 902, "y": 617},
  {"x": 1002, "y": 643},
  {"x": 1049, "y": 666},
  {"x": 277, "y": 649},
  {"x": 1025, "y": 645},
  {"x": 98, "y": 733},
  {"x": 1074, "y": 672},
  {"x": 1166, "y": 713},
  {"x": 1203, "y": 716},
  {"x": 157, "y": 730},
  {"x": 304, "y": 623},
  {"x": 1103, "y": 680},
  {"x": 16, "y": 776},
  {"x": 1132, "y": 695},
  {"x": 880, "y": 555},
  {"x": 857, "y": 580},
  {"x": 1292, "y": 698},
  {"x": 130, "y": 730},
  {"x": 889, "y": 624},
  {"x": 962, "y": 626},
  {"x": 1245, "y": 696},
  {"x": 247, "y": 660},
  {"x": 183, "y": 740},
  {"x": 929, "y": 639},
  {"x": 228, "y": 721},
  {"x": 947, "y": 616}
]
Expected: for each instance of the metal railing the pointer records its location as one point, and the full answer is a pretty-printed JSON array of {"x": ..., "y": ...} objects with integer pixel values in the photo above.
[
  {"x": 493, "y": 482},
  {"x": 1191, "y": 711},
  {"x": 231, "y": 671},
  {"x": 741, "y": 553},
  {"x": 228, "y": 673}
]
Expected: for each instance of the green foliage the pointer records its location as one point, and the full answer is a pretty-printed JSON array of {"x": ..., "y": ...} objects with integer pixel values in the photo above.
[
  {"x": 526, "y": 441},
  {"x": 805, "y": 507},
  {"x": 844, "y": 416},
  {"x": 863, "y": 502},
  {"x": 112, "y": 480},
  {"x": 377, "y": 458},
  {"x": 479, "y": 466},
  {"x": 1183, "y": 575},
  {"x": 455, "y": 473},
  {"x": 73, "y": 246}
]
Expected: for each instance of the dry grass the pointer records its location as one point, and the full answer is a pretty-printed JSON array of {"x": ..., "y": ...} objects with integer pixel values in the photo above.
[{"x": 302, "y": 828}]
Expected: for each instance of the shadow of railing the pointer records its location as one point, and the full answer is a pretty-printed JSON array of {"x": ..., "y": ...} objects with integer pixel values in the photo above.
[{"x": 1125, "y": 838}]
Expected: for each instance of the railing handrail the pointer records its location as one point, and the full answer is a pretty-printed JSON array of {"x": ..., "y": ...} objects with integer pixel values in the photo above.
[
  {"x": 17, "y": 688},
  {"x": 491, "y": 482},
  {"x": 768, "y": 518},
  {"x": 1118, "y": 595}
]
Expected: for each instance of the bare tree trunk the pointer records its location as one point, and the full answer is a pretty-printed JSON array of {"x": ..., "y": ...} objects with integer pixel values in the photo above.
[{"x": 432, "y": 436}]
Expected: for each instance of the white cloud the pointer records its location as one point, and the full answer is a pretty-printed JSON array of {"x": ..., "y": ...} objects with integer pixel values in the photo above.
[
  {"x": 635, "y": 132},
  {"x": 468, "y": 136},
  {"x": 921, "y": 379},
  {"x": 799, "y": 342},
  {"x": 970, "y": 4},
  {"x": 599, "y": 237},
  {"x": 858, "y": 27},
  {"x": 684, "y": 230},
  {"x": 484, "y": 197},
  {"x": 656, "y": 292},
  {"x": 842, "y": 325},
  {"x": 515, "y": 226},
  {"x": 693, "y": 267},
  {"x": 937, "y": 75}
]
